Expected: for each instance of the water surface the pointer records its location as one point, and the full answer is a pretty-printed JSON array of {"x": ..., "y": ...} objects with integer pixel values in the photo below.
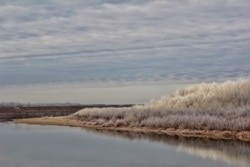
[{"x": 32, "y": 145}]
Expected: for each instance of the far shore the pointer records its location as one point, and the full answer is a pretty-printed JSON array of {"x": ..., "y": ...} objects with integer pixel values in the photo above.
[
  {"x": 21, "y": 111},
  {"x": 212, "y": 134}
]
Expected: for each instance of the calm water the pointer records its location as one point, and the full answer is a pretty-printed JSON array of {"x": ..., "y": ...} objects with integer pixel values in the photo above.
[{"x": 51, "y": 146}]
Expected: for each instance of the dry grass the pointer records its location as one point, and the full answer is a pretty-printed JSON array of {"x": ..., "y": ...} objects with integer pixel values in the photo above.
[{"x": 69, "y": 121}]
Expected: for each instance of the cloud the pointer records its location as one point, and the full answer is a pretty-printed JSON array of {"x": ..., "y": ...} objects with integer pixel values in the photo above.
[{"x": 81, "y": 41}]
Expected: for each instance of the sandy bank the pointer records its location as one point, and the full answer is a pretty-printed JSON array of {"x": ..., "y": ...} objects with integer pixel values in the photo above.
[{"x": 214, "y": 134}]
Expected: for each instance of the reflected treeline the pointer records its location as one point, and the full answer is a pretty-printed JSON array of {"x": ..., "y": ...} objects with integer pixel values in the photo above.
[{"x": 230, "y": 151}]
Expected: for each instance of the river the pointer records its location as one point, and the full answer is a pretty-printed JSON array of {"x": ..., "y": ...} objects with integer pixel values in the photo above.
[{"x": 52, "y": 146}]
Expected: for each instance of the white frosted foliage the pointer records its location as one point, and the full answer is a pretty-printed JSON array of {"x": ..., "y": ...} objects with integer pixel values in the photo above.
[{"x": 221, "y": 106}]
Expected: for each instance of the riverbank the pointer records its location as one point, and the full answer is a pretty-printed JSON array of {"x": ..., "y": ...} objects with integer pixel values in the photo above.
[{"x": 70, "y": 121}]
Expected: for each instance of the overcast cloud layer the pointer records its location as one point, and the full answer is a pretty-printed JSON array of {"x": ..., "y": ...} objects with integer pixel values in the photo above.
[{"x": 123, "y": 42}]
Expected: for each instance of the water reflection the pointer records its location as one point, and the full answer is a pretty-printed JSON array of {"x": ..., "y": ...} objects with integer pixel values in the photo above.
[{"x": 230, "y": 151}]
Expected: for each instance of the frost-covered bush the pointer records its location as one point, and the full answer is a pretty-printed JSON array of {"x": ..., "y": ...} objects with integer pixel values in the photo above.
[{"x": 222, "y": 106}]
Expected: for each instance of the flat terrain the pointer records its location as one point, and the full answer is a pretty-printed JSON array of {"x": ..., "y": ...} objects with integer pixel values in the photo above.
[{"x": 8, "y": 113}]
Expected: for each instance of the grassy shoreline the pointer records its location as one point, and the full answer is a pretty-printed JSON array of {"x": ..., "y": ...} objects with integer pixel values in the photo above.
[{"x": 68, "y": 121}]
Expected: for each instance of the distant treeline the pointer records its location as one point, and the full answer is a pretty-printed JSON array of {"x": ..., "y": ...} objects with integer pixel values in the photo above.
[
  {"x": 10, "y": 111},
  {"x": 17, "y": 104}
]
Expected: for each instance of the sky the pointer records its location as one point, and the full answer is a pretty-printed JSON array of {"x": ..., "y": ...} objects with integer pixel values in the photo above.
[{"x": 118, "y": 51}]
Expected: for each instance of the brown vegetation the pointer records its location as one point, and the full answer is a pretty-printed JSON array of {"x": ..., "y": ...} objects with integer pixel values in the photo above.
[
  {"x": 10, "y": 112},
  {"x": 69, "y": 121}
]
